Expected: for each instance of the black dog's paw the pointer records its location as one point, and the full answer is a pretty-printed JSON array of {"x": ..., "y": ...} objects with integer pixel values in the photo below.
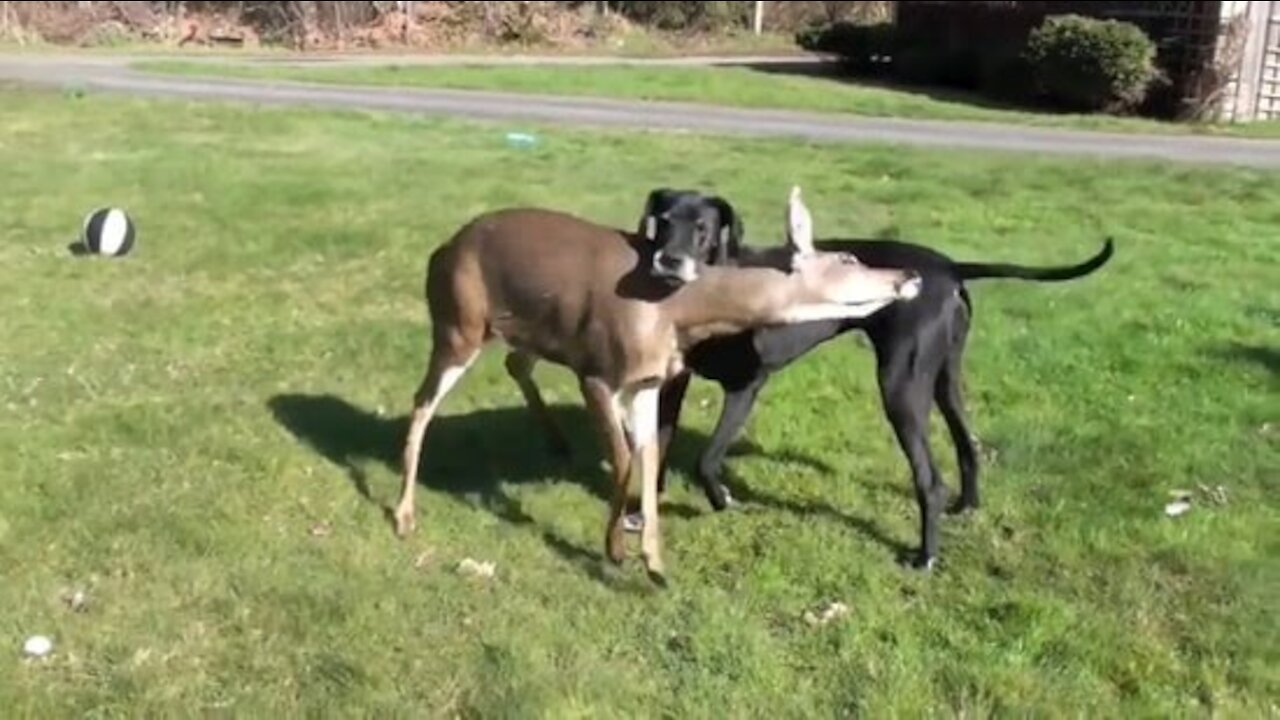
[
  {"x": 719, "y": 499},
  {"x": 918, "y": 561},
  {"x": 962, "y": 507}
]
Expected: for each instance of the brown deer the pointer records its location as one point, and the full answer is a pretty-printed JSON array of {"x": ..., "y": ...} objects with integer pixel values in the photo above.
[{"x": 559, "y": 288}]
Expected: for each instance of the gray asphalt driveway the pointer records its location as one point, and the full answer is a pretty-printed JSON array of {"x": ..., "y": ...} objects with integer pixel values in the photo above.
[{"x": 115, "y": 75}]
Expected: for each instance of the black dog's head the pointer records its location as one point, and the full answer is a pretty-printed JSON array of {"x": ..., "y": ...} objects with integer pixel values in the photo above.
[{"x": 689, "y": 230}]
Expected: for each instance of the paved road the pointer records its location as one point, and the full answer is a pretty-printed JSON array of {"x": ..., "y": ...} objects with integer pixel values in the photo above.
[
  {"x": 312, "y": 59},
  {"x": 115, "y": 75}
]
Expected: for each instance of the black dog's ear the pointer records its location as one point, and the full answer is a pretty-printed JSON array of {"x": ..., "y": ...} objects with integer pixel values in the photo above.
[
  {"x": 657, "y": 199},
  {"x": 729, "y": 240}
]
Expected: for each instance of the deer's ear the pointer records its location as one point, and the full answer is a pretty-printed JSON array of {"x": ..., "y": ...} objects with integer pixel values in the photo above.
[
  {"x": 799, "y": 224},
  {"x": 729, "y": 240}
]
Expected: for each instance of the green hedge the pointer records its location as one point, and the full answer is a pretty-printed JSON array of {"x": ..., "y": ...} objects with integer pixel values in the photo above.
[
  {"x": 863, "y": 49},
  {"x": 1083, "y": 63}
]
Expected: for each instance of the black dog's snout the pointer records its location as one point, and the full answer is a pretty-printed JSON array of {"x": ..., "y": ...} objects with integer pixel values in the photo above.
[{"x": 666, "y": 262}]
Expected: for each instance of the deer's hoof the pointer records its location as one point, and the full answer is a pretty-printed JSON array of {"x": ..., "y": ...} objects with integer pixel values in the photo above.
[
  {"x": 658, "y": 578},
  {"x": 615, "y": 549},
  {"x": 405, "y": 524},
  {"x": 656, "y": 571}
]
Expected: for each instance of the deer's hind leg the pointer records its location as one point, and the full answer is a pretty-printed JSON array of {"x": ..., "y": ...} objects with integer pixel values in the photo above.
[{"x": 452, "y": 351}]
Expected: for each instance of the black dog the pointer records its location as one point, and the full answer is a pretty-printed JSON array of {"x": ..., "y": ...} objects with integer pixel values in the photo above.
[{"x": 918, "y": 345}]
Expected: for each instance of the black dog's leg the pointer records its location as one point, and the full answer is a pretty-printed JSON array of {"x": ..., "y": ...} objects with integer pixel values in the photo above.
[
  {"x": 907, "y": 401},
  {"x": 737, "y": 406},
  {"x": 950, "y": 398},
  {"x": 670, "y": 401},
  {"x": 949, "y": 393}
]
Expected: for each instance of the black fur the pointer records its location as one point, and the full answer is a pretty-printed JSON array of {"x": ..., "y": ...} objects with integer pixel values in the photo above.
[{"x": 919, "y": 347}]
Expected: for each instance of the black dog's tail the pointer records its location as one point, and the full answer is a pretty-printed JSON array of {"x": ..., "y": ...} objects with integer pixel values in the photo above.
[{"x": 975, "y": 271}]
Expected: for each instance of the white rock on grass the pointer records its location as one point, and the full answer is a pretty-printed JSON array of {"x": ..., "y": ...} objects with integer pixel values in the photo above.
[
  {"x": 476, "y": 569},
  {"x": 833, "y": 611},
  {"x": 37, "y": 646}
]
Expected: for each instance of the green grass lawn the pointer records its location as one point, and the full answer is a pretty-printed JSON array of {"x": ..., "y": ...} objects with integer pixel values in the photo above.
[
  {"x": 203, "y": 437},
  {"x": 739, "y": 87}
]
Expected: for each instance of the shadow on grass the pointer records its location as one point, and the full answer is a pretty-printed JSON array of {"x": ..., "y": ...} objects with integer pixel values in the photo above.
[
  {"x": 473, "y": 455},
  {"x": 1268, "y": 358},
  {"x": 822, "y": 509},
  {"x": 833, "y": 72},
  {"x": 476, "y": 455}
]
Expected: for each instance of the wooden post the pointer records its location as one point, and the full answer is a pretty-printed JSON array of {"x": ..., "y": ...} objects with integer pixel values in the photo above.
[
  {"x": 1249, "y": 71},
  {"x": 757, "y": 20},
  {"x": 406, "y": 13}
]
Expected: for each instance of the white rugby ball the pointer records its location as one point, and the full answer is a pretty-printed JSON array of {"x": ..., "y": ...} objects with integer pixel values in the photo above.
[{"x": 108, "y": 231}]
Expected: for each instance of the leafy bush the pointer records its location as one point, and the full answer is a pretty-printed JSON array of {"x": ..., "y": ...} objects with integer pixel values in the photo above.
[
  {"x": 862, "y": 48},
  {"x": 685, "y": 15},
  {"x": 1087, "y": 64}
]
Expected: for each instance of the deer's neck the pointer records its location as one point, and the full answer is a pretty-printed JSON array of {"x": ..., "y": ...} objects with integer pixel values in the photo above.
[{"x": 723, "y": 301}]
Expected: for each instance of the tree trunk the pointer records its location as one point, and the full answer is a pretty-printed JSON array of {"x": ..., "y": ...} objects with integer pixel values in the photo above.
[
  {"x": 757, "y": 20},
  {"x": 340, "y": 24}
]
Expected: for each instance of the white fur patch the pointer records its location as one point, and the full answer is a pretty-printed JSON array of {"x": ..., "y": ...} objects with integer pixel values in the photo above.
[
  {"x": 811, "y": 312},
  {"x": 650, "y": 228},
  {"x": 644, "y": 422},
  {"x": 448, "y": 379},
  {"x": 911, "y": 289},
  {"x": 642, "y": 416},
  {"x": 686, "y": 272}
]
